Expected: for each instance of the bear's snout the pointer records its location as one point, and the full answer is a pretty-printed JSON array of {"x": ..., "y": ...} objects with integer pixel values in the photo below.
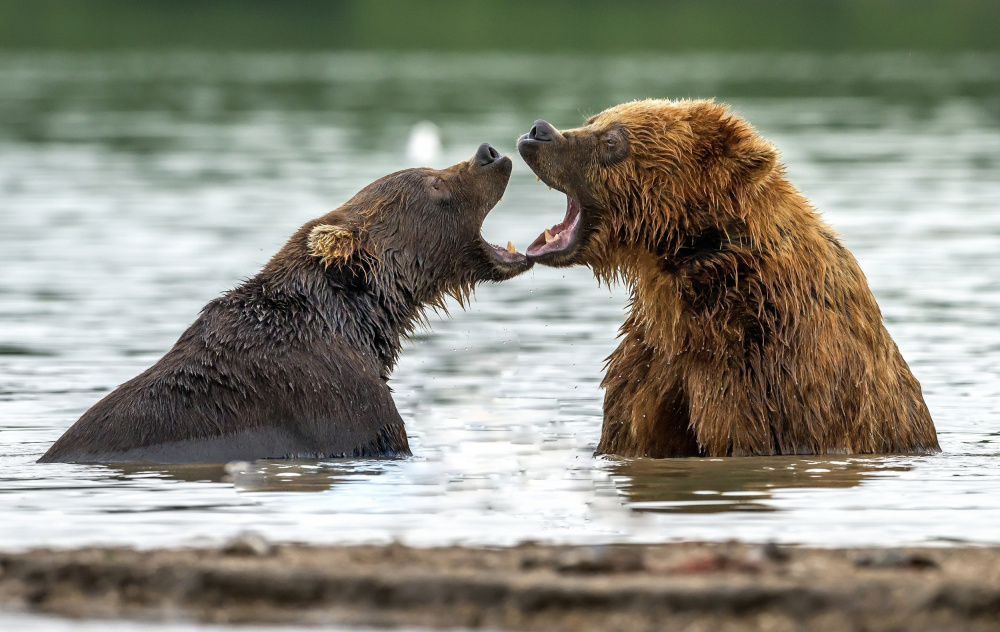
[
  {"x": 541, "y": 132},
  {"x": 486, "y": 155}
]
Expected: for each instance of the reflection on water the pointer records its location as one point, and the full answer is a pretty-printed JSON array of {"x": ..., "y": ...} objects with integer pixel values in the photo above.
[
  {"x": 134, "y": 188},
  {"x": 259, "y": 476},
  {"x": 718, "y": 485}
]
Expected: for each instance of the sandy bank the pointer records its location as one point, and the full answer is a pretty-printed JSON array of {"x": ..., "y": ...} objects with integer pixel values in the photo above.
[{"x": 634, "y": 588}]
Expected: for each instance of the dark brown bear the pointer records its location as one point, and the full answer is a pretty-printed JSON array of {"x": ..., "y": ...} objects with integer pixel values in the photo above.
[
  {"x": 752, "y": 329},
  {"x": 294, "y": 362}
]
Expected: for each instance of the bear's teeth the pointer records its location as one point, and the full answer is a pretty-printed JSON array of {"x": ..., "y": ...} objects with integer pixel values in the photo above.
[
  {"x": 549, "y": 237},
  {"x": 511, "y": 249}
]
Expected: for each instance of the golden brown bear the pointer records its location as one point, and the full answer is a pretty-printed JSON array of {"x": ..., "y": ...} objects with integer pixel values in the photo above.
[{"x": 752, "y": 329}]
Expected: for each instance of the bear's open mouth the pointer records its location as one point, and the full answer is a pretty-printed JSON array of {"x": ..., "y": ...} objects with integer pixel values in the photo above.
[
  {"x": 560, "y": 237},
  {"x": 508, "y": 255}
]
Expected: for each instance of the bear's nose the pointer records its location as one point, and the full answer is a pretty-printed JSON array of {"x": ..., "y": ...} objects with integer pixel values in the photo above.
[
  {"x": 486, "y": 155},
  {"x": 542, "y": 132}
]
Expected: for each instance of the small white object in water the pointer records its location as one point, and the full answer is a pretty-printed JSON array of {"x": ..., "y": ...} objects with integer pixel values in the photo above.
[
  {"x": 424, "y": 145},
  {"x": 237, "y": 467}
]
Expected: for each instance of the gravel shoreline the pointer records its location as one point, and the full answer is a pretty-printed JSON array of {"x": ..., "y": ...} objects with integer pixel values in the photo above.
[{"x": 683, "y": 586}]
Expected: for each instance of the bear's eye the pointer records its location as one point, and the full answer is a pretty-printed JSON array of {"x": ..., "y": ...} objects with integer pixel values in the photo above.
[{"x": 613, "y": 147}]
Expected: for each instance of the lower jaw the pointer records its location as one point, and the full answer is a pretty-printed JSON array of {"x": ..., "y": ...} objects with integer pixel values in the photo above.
[
  {"x": 561, "y": 251},
  {"x": 561, "y": 243},
  {"x": 556, "y": 258},
  {"x": 514, "y": 267},
  {"x": 507, "y": 262}
]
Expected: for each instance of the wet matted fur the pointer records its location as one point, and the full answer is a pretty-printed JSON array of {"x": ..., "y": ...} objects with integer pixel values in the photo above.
[
  {"x": 751, "y": 328},
  {"x": 294, "y": 362}
]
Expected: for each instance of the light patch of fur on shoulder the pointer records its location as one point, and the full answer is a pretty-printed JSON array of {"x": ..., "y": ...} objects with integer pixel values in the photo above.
[{"x": 331, "y": 243}]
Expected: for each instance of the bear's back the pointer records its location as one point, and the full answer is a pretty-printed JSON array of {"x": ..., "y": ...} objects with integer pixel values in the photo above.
[{"x": 217, "y": 398}]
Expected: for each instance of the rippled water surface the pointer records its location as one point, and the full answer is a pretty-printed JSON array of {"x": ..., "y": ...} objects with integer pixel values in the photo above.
[{"x": 135, "y": 188}]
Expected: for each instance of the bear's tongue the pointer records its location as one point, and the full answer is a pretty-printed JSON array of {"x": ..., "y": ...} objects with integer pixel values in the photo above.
[{"x": 560, "y": 236}]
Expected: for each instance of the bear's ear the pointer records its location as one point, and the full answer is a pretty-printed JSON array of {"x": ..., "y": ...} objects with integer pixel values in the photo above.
[
  {"x": 332, "y": 244},
  {"x": 754, "y": 159}
]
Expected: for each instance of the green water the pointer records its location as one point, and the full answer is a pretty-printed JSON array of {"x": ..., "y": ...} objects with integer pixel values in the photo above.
[{"x": 471, "y": 26}]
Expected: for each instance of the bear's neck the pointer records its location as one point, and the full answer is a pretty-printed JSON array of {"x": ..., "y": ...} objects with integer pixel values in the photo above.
[
  {"x": 302, "y": 306},
  {"x": 721, "y": 269}
]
